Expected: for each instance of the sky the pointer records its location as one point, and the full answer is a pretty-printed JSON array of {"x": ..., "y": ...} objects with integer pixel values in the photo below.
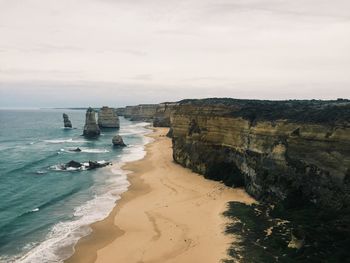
[{"x": 72, "y": 53}]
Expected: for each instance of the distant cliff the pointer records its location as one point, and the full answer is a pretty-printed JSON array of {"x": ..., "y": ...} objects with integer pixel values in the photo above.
[
  {"x": 142, "y": 112},
  {"x": 158, "y": 114},
  {"x": 294, "y": 152}
]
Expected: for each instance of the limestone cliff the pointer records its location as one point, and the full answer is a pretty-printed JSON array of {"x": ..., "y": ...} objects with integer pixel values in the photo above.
[
  {"x": 142, "y": 112},
  {"x": 286, "y": 151},
  {"x": 162, "y": 114},
  {"x": 108, "y": 118},
  {"x": 91, "y": 128}
]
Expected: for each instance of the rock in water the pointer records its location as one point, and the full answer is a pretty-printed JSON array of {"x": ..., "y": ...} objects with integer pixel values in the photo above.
[
  {"x": 108, "y": 118},
  {"x": 118, "y": 141},
  {"x": 73, "y": 164},
  {"x": 91, "y": 128},
  {"x": 84, "y": 166},
  {"x": 67, "y": 123},
  {"x": 93, "y": 165},
  {"x": 75, "y": 150}
]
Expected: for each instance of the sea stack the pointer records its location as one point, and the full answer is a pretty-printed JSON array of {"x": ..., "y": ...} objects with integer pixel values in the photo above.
[
  {"x": 108, "y": 118},
  {"x": 118, "y": 141},
  {"x": 67, "y": 123},
  {"x": 91, "y": 128}
]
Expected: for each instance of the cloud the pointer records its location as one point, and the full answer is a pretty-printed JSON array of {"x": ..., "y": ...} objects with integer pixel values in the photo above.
[{"x": 164, "y": 50}]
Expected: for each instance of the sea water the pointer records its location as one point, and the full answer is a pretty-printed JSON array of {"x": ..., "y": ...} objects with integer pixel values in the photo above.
[{"x": 44, "y": 210}]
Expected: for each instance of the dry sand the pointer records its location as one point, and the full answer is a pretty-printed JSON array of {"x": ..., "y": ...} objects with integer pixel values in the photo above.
[{"x": 169, "y": 214}]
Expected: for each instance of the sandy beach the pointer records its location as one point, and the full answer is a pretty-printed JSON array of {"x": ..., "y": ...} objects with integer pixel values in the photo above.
[{"x": 169, "y": 214}]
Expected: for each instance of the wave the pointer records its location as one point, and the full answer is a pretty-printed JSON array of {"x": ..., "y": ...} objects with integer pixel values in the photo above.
[
  {"x": 33, "y": 163},
  {"x": 63, "y": 236},
  {"x": 51, "y": 202},
  {"x": 59, "y": 242},
  {"x": 70, "y": 140},
  {"x": 41, "y": 172},
  {"x": 85, "y": 150},
  {"x": 60, "y": 167}
]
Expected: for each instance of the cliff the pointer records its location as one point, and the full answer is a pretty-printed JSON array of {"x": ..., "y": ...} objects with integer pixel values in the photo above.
[
  {"x": 91, "y": 128},
  {"x": 162, "y": 115},
  {"x": 142, "y": 112},
  {"x": 293, "y": 156},
  {"x": 108, "y": 118},
  {"x": 290, "y": 151},
  {"x": 159, "y": 114}
]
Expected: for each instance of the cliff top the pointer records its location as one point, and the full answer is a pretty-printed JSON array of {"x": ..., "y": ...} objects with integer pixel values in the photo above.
[{"x": 310, "y": 111}]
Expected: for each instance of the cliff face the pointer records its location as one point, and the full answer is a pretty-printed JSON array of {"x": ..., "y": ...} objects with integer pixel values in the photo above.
[
  {"x": 143, "y": 112},
  {"x": 162, "y": 114},
  {"x": 91, "y": 128},
  {"x": 108, "y": 118},
  {"x": 292, "y": 152},
  {"x": 159, "y": 114}
]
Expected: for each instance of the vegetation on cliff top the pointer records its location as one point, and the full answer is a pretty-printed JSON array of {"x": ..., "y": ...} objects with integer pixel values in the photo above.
[{"x": 304, "y": 111}]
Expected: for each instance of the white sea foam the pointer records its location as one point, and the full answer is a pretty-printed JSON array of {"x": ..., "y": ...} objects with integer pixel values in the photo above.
[
  {"x": 70, "y": 140},
  {"x": 64, "y": 235},
  {"x": 94, "y": 150},
  {"x": 84, "y": 150}
]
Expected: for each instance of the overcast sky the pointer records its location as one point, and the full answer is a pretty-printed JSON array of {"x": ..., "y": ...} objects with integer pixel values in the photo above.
[{"x": 118, "y": 52}]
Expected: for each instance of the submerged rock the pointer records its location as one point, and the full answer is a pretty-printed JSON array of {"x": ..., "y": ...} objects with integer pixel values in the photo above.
[
  {"x": 118, "y": 141},
  {"x": 91, "y": 128},
  {"x": 67, "y": 123},
  {"x": 108, "y": 118}
]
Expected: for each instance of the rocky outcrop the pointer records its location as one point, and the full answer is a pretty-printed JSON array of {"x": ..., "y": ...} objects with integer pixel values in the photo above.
[
  {"x": 66, "y": 122},
  {"x": 91, "y": 129},
  {"x": 118, "y": 141},
  {"x": 74, "y": 165},
  {"x": 294, "y": 152},
  {"x": 108, "y": 118}
]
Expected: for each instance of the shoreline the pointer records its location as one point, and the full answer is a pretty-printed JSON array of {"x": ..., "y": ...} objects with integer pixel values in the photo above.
[{"x": 167, "y": 214}]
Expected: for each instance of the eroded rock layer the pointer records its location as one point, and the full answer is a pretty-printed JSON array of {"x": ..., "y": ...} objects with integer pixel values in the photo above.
[
  {"x": 159, "y": 114},
  {"x": 288, "y": 151},
  {"x": 108, "y": 118},
  {"x": 142, "y": 112}
]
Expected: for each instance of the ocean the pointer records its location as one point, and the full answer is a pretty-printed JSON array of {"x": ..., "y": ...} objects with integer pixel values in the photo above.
[{"x": 44, "y": 210}]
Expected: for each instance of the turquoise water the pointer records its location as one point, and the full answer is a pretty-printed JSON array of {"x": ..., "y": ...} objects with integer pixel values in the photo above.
[{"x": 43, "y": 210}]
